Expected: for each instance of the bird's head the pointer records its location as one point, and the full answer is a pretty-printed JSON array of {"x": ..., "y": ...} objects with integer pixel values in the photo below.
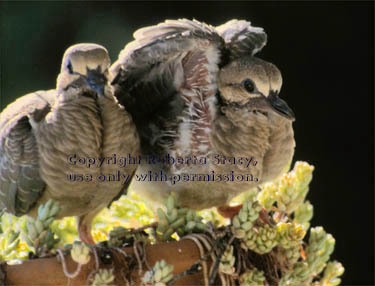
[
  {"x": 253, "y": 84},
  {"x": 84, "y": 72}
]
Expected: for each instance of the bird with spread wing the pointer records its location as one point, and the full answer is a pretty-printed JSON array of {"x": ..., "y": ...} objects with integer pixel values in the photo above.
[
  {"x": 41, "y": 130},
  {"x": 198, "y": 91}
]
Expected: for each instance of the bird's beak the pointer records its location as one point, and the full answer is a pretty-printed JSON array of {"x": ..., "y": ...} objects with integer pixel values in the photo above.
[
  {"x": 280, "y": 106},
  {"x": 96, "y": 81}
]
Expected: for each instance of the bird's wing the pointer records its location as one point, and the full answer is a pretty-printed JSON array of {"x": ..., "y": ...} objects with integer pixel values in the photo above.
[
  {"x": 241, "y": 38},
  {"x": 166, "y": 78},
  {"x": 20, "y": 181},
  {"x": 168, "y": 75}
]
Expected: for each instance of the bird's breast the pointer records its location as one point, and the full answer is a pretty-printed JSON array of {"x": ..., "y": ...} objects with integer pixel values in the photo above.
[
  {"x": 80, "y": 151},
  {"x": 280, "y": 152}
]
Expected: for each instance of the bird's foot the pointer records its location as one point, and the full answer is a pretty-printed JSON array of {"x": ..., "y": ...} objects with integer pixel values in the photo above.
[
  {"x": 264, "y": 216},
  {"x": 229, "y": 211},
  {"x": 87, "y": 239},
  {"x": 141, "y": 229}
]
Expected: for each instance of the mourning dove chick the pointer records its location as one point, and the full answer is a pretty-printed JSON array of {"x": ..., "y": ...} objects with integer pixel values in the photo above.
[
  {"x": 48, "y": 136},
  {"x": 200, "y": 97}
]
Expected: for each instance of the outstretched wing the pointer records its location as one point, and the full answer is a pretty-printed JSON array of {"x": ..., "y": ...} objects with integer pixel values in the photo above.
[
  {"x": 20, "y": 181},
  {"x": 166, "y": 78}
]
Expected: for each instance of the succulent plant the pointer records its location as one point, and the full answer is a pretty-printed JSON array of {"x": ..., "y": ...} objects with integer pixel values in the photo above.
[
  {"x": 160, "y": 274},
  {"x": 177, "y": 219}
]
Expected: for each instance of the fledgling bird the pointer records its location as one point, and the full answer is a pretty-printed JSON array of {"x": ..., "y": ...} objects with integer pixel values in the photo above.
[
  {"x": 197, "y": 91},
  {"x": 41, "y": 130}
]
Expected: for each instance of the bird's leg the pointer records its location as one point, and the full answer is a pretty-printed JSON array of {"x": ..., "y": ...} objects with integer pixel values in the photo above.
[
  {"x": 302, "y": 252},
  {"x": 2, "y": 274},
  {"x": 84, "y": 230},
  {"x": 228, "y": 211}
]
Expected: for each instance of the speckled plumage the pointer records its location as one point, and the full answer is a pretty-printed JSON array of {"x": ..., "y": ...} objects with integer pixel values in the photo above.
[
  {"x": 39, "y": 131},
  {"x": 197, "y": 91}
]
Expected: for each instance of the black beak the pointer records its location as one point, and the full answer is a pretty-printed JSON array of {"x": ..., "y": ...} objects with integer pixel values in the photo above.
[
  {"x": 280, "y": 106},
  {"x": 96, "y": 81}
]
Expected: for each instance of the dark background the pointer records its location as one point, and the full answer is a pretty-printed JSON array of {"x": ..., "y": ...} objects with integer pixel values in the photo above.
[{"x": 324, "y": 51}]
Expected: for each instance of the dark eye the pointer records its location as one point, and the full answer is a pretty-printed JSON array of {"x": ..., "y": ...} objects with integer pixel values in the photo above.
[
  {"x": 70, "y": 67},
  {"x": 248, "y": 85}
]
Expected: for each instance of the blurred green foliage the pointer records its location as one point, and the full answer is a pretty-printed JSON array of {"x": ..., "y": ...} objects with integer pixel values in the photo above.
[
  {"x": 129, "y": 212},
  {"x": 284, "y": 198}
]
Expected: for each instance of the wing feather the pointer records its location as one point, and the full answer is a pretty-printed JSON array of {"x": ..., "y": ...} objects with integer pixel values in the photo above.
[
  {"x": 241, "y": 38},
  {"x": 20, "y": 181}
]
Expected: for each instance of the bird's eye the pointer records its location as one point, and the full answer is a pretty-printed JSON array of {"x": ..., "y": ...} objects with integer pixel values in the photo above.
[
  {"x": 248, "y": 85},
  {"x": 70, "y": 67}
]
